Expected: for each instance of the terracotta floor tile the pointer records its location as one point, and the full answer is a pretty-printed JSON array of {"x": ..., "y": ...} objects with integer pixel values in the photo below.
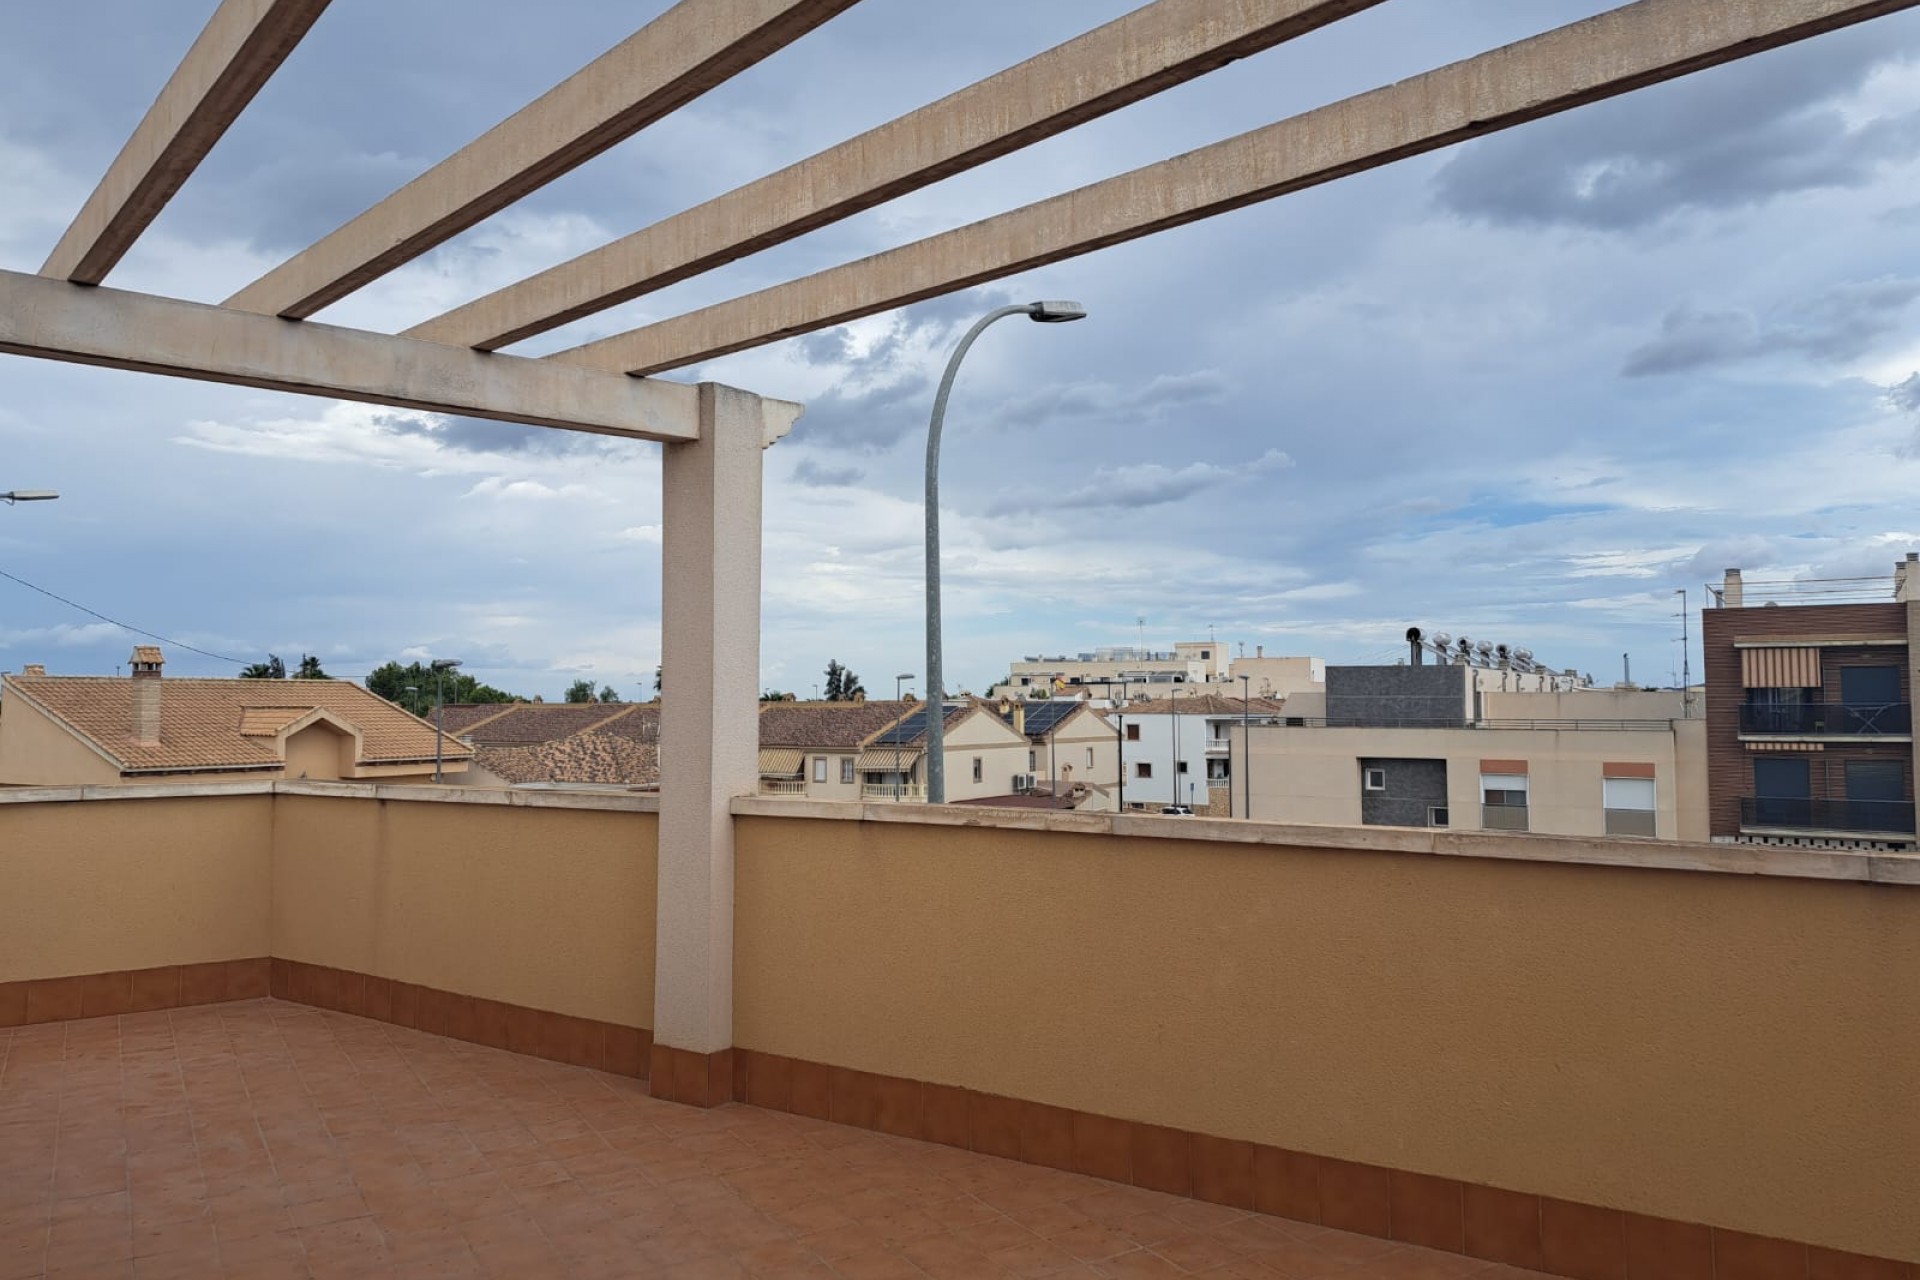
[{"x": 262, "y": 1140}]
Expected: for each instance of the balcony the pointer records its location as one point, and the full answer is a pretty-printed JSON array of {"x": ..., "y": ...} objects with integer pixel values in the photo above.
[
  {"x": 1852, "y": 817},
  {"x": 783, "y": 786},
  {"x": 1826, "y": 720},
  {"x": 336, "y": 1029},
  {"x": 893, "y": 791}
]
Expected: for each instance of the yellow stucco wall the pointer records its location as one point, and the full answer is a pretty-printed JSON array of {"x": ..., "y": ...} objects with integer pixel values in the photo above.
[
  {"x": 37, "y": 751},
  {"x": 1708, "y": 1047},
  {"x": 99, "y": 886},
  {"x": 548, "y": 908}
]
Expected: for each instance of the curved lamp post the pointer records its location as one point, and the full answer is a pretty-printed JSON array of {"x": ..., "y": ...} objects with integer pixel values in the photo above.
[{"x": 936, "y": 703}]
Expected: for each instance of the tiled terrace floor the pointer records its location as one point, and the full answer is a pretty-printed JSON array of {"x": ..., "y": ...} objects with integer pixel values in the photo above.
[{"x": 270, "y": 1139}]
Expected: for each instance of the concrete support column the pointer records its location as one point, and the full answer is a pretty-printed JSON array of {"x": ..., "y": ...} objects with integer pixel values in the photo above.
[{"x": 709, "y": 735}]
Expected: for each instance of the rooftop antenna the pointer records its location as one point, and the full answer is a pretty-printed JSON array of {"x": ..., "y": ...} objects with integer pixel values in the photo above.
[{"x": 1142, "y": 620}]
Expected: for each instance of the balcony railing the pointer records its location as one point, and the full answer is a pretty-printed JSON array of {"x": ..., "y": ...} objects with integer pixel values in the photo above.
[
  {"x": 783, "y": 787},
  {"x": 1886, "y": 816},
  {"x": 892, "y": 791},
  {"x": 1827, "y": 718}
]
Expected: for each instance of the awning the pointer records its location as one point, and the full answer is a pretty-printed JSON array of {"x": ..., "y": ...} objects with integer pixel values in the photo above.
[
  {"x": 883, "y": 760},
  {"x": 1784, "y": 746},
  {"x": 1780, "y": 668},
  {"x": 781, "y": 762}
]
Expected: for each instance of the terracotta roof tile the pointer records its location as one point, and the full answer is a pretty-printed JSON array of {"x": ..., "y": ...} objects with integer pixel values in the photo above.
[
  {"x": 1202, "y": 704},
  {"x": 525, "y": 723},
  {"x": 604, "y": 759},
  {"x": 828, "y": 726},
  {"x": 215, "y": 725}
]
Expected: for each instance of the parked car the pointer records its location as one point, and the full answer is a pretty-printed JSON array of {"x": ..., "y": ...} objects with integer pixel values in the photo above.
[{"x": 1177, "y": 811}]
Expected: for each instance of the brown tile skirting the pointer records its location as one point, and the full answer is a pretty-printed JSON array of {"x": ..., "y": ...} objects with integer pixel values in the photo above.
[
  {"x": 538, "y": 1033},
  {"x": 1512, "y": 1227},
  {"x": 696, "y": 1079},
  {"x": 98, "y": 995}
]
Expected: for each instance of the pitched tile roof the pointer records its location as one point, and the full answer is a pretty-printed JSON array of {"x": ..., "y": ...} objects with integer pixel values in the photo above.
[
  {"x": 827, "y": 726},
  {"x": 641, "y": 723},
  {"x": 523, "y": 724},
  {"x": 603, "y": 759},
  {"x": 1203, "y": 704},
  {"x": 460, "y": 716},
  {"x": 219, "y": 725}
]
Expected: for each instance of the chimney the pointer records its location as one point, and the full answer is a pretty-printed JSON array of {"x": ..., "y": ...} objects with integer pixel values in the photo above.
[
  {"x": 1733, "y": 591},
  {"x": 1259, "y": 651},
  {"x": 1906, "y": 578},
  {"x": 34, "y": 669},
  {"x": 146, "y": 663},
  {"x": 1020, "y": 718}
]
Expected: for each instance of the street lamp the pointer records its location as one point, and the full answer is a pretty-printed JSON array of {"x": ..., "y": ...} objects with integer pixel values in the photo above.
[
  {"x": 440, "y": 667},
  {"x": 898, "y": 680},
  {"x": 28, "y": 495},
  {"x": 1040, "y": 313},
  {"x": 1120, "y": 748},
  {"x": 1173, "y": 718}
]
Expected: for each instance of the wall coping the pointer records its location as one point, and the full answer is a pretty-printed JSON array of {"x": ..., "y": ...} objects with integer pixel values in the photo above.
[
  {"x": 513, "y": 798},
  {"x": 1617, "y": 851},
  {"x": 1658, "y": 855}
]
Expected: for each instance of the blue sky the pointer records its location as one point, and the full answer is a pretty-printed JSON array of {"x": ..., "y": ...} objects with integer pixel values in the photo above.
[{"x": 1523, "y": 389}]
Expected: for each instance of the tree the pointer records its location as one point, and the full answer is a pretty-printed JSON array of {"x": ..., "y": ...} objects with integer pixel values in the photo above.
[
  {"x": 774, "y": 695},
  {"x": 658, "y": 688},
  {"x": 392, "y": 681},
  {"x": 309, "y": 669},
  {"x": 842, "y": 684},
  {"x": 271, "y": 669},
  {"x": 580, "y": 691},
  {"x": 608, "y": 694}
]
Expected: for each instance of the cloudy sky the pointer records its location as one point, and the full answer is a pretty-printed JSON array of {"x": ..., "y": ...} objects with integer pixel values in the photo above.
[{"x": 1524, "y": 389}]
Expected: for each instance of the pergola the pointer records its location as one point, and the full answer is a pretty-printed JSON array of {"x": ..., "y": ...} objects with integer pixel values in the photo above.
[{"x": 713, "y": 435}]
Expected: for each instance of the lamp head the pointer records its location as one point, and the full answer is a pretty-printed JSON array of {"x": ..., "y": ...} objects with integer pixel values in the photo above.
[
  {"x": 905, "y": 676},
  {"x": 1055, "y": 312},
  {"x": 28, "y": 495},
  {"x": 445, "y": 664}
]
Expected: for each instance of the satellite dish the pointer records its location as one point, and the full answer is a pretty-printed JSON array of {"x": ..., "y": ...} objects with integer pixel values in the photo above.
[
  {"x": 1525, "y": 655},
  {"x": 1413, "y": 634},
  {"x": 1441, "y": 639}
]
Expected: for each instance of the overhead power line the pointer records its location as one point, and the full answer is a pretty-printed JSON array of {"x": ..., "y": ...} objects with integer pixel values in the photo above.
[{"x": 139, "y": 631}]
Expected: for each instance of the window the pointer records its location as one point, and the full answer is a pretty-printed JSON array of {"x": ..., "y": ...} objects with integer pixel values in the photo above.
[
  {"x": 1089, "y": 757},
  {"x": 846, "y": 768},
  {"x": 1206, "y": 653},
  {"x": 1630, "y": 804},
  {"x": 978, "y": 769},
  {"x": 1143, "y": 770},
  {"x": 1133, "y": 733},
  {"x": 819, "y": 768},
  {"x": 1180, "y": 766},
  {"x": 1503, "y": 801},
  {"x": 1436, "y": 815},
  {"x": 1776, "y": 710},
  {"x": 1033, "y": 762},
  {"x": 1376, "y": 780}
]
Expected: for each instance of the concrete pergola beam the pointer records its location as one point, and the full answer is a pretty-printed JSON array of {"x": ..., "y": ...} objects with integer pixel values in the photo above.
[
  {"x": 689, "y": 49},
  {"x": 1143, "y": 53},
  {"x": 56, "y": 320},
  {"x": 1613, "y": 53},
  {"x": 239, "y": 49}
]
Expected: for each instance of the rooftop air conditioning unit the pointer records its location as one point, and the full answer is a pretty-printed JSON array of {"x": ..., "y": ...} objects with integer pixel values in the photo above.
[{"x": 1022, "y": 782}]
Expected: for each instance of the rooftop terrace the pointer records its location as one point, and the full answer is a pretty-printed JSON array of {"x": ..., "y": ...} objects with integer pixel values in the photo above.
[{"x": 330, "y": 1028}]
